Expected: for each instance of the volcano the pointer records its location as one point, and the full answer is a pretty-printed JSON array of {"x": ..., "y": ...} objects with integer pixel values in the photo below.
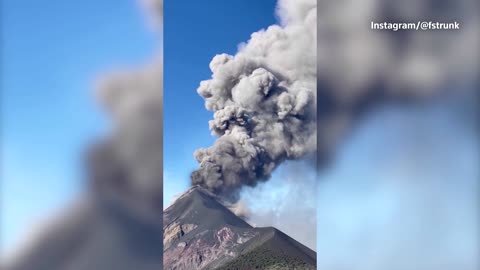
[{"x": 200, "y": 232}]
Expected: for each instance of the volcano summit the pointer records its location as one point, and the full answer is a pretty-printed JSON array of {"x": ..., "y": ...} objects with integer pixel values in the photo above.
[{"x": 200, "y": 232}]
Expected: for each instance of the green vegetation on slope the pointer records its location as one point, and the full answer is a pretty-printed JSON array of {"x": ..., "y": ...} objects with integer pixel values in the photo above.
[{"x": 265, "y": 259}]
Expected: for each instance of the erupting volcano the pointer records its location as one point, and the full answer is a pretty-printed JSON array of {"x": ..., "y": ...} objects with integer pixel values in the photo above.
[{"x": 200, "y": 232}]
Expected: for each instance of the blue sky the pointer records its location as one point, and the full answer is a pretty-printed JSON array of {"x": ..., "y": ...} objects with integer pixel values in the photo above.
[
  {"x": 52, "y": 53},
  {"x": 194, "y": 32}
]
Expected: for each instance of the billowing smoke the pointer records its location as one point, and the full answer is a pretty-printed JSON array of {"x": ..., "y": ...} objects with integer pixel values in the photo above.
[{"x": 264, "y": 103}]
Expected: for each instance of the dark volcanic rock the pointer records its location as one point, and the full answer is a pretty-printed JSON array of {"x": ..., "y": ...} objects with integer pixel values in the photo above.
[{"x": 200, "y": 232}]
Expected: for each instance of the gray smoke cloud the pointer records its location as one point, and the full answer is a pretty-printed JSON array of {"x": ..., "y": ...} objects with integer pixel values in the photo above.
[
  {"x": 134, "y": 100},
  {"x": 359, "y": 67},
  {"x": 264, "y": 103}
]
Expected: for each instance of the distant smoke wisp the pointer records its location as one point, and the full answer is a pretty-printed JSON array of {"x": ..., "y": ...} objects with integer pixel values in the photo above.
[
  {"x": 154, "y": 10},
  {"x": 134, "y": 100},
  {"x": 133, "y": 153},
  {"x": 264, "y": 103}
]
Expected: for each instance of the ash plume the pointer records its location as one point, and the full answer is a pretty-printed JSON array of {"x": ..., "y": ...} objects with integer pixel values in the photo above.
[{"x": 264, "y": 103}]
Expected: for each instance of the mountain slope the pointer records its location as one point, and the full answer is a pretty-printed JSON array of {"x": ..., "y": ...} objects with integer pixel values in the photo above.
[{"x": 200, "y": 232}]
